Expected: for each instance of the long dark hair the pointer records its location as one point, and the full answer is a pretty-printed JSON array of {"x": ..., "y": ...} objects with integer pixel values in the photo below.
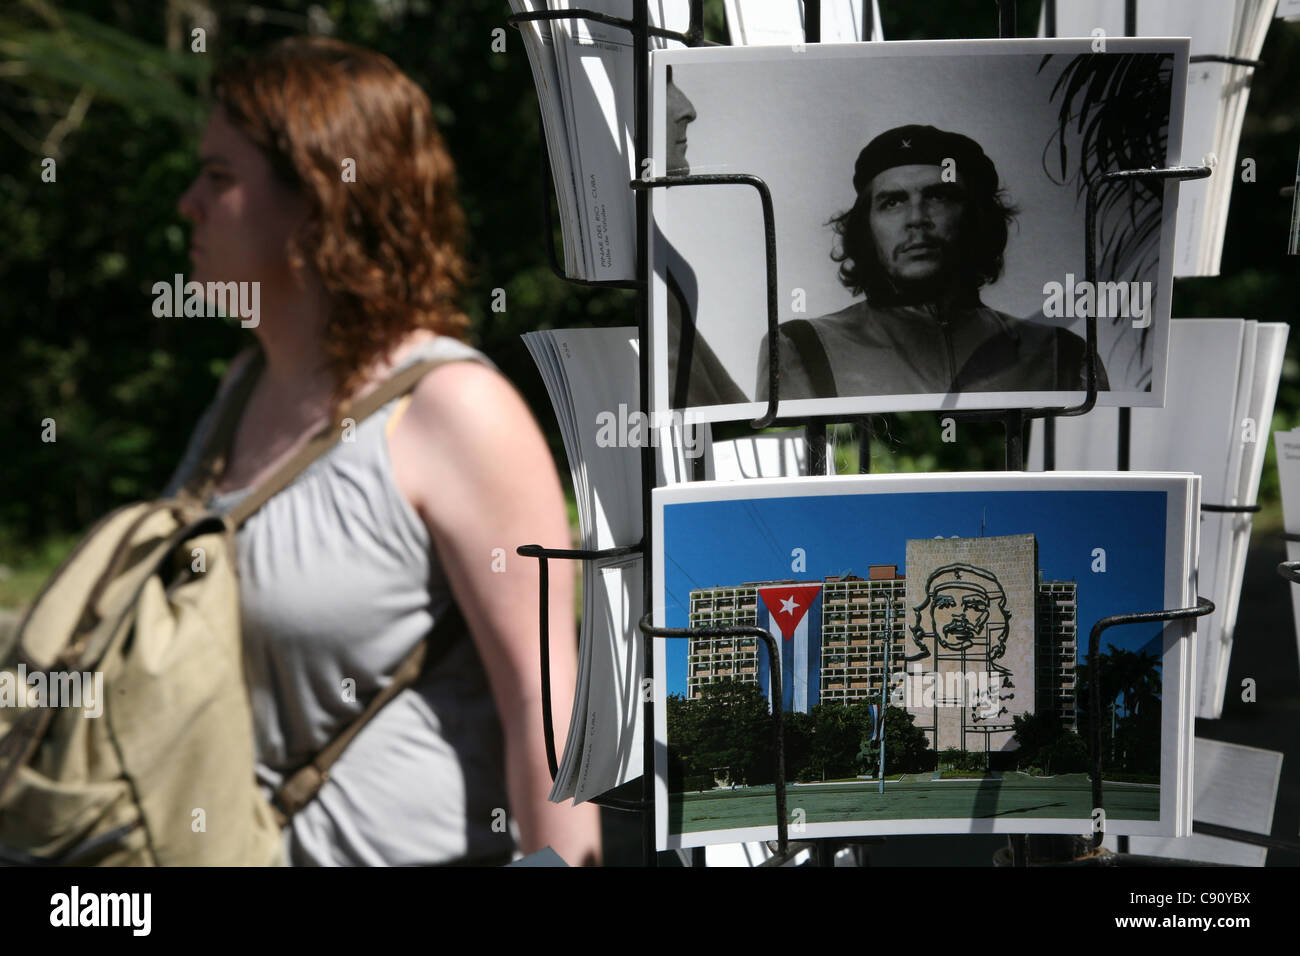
[{"x": 983, "y": 239}]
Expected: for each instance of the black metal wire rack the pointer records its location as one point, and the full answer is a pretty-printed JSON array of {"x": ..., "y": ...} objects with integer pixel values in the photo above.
[{"x": 815, "y": 428}]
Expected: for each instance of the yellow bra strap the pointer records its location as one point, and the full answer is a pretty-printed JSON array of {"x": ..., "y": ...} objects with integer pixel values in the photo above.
[{"x": 404, "y": 401}]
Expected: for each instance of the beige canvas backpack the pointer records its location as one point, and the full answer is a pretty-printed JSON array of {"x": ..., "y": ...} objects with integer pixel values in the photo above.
[{"x": 125, "y": 730}]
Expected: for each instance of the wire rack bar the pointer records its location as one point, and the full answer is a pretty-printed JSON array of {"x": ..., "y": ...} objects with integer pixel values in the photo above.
[
  {"x": 1245, "y": 836},
  {"x": 1202, "y": 608},
  {"x": 543, "y": 555},
  {"x": 691, "y": 37},
  {"x": 1290, "y": 570},
  {"x": 776, "y": 696},
  {"x": 769, "y": 248},
  {"x": 1220, "y": 58}
]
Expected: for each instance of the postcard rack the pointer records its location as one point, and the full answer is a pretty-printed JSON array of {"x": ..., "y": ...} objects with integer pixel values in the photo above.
[
  {"x": 1290, "y": 570},
  {"x": 815, "y": 429}
]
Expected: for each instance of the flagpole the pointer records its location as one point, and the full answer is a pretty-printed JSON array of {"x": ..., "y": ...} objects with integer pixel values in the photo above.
[{"x": 884, "y": 681}]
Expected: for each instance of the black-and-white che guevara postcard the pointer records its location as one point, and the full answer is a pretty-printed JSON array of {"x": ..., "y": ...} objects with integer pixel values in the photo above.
[{"x": 930, "y": 207}]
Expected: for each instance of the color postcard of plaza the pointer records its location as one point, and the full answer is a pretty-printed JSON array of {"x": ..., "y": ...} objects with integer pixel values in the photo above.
[{"x": 945, "y": 618}]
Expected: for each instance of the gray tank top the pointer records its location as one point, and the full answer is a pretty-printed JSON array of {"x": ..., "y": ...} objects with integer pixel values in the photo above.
[{"x": 338, "y": 583}]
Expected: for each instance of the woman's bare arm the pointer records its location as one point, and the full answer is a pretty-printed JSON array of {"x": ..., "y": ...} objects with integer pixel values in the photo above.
[{"x": 481, "y": 476}]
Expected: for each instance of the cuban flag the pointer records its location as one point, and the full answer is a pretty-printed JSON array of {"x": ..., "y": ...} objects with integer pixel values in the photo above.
[{"x": 793, "y": 614}]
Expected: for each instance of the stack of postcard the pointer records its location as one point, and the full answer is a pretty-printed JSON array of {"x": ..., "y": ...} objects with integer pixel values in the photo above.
[
  {"x": 781, "y": 22},
  {"x": 1293, "y": 241},
  {"x": 930, "y": 237},
  {"x": 1223, "y": 378},
  {"x": 932, "y": 657},
  {"x": 591, "y": 377},
  {"x": 583, "y": 70},
  {"x": 781, "y": 454},
  {"x": 1236, "y": 787},
  {"x": 1216, "y": 100},
  {"x": 1287, "y": 445}
]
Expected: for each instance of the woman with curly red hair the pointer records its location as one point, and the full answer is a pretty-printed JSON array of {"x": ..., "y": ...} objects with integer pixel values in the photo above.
[{"x": 324, "y": 179}]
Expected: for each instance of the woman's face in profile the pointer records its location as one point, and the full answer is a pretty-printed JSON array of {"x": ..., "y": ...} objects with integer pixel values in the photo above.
[{"x": 242, "y": 216}]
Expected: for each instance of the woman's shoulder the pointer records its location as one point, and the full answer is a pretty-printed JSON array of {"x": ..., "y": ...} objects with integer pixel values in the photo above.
[
  {"x": 465, "y": 425},
  {"x": 462, "y": 398}
]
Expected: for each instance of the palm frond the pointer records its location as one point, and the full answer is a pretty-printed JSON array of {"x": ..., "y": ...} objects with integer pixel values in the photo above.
[
  {"x": 1116, "y": 107},
  {"x": 76, "y": 52}
]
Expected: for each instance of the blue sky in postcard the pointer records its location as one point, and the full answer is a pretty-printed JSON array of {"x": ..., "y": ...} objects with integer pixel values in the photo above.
[{"x": 719, "y": 543}]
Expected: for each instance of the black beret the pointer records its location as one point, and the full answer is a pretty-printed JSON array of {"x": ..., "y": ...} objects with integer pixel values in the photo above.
[{"x": 925, "y": 145}]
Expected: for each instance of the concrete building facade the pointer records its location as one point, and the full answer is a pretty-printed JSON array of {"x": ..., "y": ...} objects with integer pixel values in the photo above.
[{"x": 972, "y": 635}]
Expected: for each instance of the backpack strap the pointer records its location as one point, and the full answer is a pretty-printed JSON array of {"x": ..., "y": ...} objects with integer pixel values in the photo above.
[
  {"x": 812, "y": 356},
  {"x": 329, "y": 434},
  {"x": 301, "y": 787},
  {"x": 216, "y": 444},
  {"x": 20, "y": 743},
  {"x": 221, "y": 433}
]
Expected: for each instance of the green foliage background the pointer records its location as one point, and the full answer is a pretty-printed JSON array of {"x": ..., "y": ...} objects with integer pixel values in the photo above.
[{"x": 113, "y": 93}]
